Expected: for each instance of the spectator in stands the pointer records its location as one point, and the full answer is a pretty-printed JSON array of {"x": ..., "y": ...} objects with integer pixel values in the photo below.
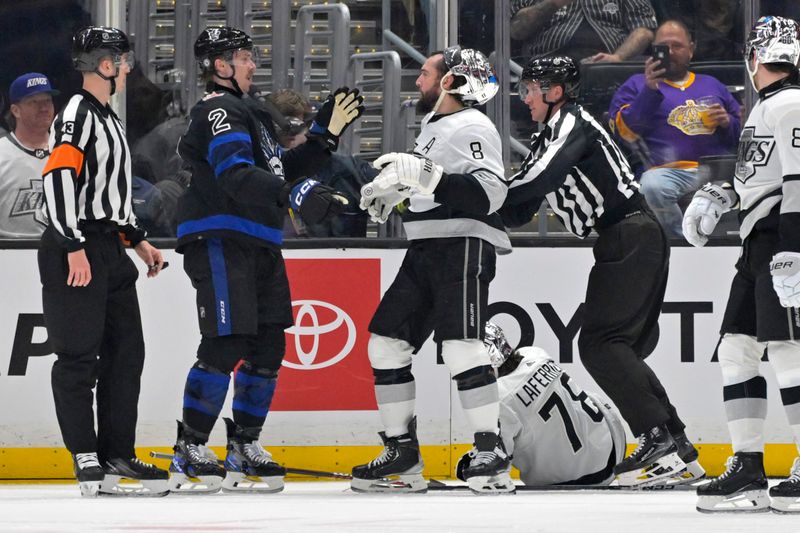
[
  {"x": 585, "y": 30},
  {"x": 345, "y": 173},
  {"x": 716, "y": 25},
  {"x": 23, "y": 154},
  {"x": 676, "y": 116}
]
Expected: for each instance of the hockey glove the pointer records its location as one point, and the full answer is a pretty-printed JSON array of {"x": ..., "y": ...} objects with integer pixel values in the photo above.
[
  {"x": 703, "y": 214},
  {"x": 418, "y": 173},
  {"x": 316, "y": 202},
  {"x": 785, "y": 270},
  {"x": 340, "y": 109},
  {"x": 380, "y": 202}
]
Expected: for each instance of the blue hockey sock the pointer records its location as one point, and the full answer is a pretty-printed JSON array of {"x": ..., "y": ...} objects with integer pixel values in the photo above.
[
  {"x": 253, "y": 391},
  {"x": 206, "y": 388}
]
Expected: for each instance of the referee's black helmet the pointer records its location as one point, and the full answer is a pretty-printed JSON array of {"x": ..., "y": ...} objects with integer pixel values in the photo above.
[
  {"x": 559, "y": 70},
  {"x": 93, "y": 43}
]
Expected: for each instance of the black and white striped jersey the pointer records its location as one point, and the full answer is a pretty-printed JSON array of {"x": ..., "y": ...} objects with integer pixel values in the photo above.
[
  {"x": 467, "y": 145},
  {"x": 576, "y": 166},
  {"x": 88, "y": 174},
  {"x": 767, "y": 177}
]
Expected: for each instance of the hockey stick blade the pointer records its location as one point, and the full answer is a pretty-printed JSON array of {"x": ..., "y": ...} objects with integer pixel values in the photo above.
[
  {"x": 297, "y": 471},
  {"x": 439, "y": 486}
]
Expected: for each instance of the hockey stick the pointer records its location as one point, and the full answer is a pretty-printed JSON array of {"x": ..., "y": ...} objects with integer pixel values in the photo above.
[
  {"x": 298, "y": 471},
  {"x": 436, "y": 485}
]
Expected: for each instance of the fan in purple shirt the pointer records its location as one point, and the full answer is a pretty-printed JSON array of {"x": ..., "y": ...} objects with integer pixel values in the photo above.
[{"x": 678, "y": 116}]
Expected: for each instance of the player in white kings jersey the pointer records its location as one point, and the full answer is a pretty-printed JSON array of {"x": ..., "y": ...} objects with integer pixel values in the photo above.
[{"x": 763, "y": 311}]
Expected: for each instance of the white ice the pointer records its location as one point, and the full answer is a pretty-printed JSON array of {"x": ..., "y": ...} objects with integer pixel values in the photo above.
[{"x": 330, "y": 506}]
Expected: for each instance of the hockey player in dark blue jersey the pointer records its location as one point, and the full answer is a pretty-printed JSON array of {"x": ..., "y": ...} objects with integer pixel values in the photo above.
[{"x": 229, "y": 231}]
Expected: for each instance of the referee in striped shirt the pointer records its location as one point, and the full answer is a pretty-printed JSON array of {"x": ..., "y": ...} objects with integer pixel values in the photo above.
[
  {"x": 588, "y": 183},
  {"x": 89, "y": 294}
]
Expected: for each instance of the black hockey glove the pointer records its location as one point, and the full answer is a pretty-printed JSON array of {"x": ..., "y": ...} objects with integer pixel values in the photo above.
[
  {"x": 316, "y": 202},
  {"x": 340, "y": 109}
]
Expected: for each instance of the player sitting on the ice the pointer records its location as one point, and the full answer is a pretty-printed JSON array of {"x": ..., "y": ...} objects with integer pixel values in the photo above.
[{"x": 557, "y": 433}]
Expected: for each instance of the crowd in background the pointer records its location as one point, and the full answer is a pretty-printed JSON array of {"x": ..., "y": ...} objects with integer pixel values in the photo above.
[{"x": 670, "y": 120}]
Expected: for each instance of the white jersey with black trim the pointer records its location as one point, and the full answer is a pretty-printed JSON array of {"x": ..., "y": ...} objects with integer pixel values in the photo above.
[
  {"x": 467, "y": 145},
  {"x": 21, "y": 192},
  {"x": 768, "y": 162},
  {"x": 556, "y": 432}
]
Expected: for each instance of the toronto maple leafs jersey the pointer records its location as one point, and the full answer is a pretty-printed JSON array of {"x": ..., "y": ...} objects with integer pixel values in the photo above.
[
  {"x": 767, "y": 177},
  {"x": 467, "y": 145},
  {"x": 21, "y": 193},
  {"x": 556, "y": 432}
]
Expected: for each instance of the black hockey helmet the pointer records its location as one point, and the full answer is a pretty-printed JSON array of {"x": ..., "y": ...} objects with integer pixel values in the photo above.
[
  {"x": 218, "y": 41},
  {"x": 93, "y": 43},
  {"x": 546, "y": 71}
]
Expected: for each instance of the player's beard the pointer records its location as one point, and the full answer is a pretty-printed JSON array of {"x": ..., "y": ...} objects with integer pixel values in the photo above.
[{"x": 427, "y": 100}]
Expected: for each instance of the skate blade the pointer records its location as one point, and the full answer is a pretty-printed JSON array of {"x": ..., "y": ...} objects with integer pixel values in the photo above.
[
  {"x": 654, "y": 474},
  {"x": 785, "y": 505},
  {"x": 752, "y": 501},
  {"x": 122, "y": 486},
  {"x": 89, "y": 489},
  {"x": 401, "y": 483},
  {"x": 499, "y": 484},
  {"x": 183, "y": 484},
  {"x": 239, "y": 482}
]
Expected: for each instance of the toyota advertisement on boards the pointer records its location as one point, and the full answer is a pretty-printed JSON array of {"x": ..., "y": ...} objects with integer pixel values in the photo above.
[{"x": 325, "y": 395}]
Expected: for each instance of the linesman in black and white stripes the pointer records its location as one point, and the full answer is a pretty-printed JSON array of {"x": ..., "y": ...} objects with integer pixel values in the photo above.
[
  {"x": 576, "y": 167},
  {"x": 88, "y": 281}
]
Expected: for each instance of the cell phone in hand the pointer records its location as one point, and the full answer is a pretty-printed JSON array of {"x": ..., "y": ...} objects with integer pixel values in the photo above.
[{"x": 661, "y": 53}]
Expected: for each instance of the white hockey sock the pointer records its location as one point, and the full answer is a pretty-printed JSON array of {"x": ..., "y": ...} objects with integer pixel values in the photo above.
[
  {"x": 395, "y": 388},
  {"x": 785, "y": 359},
  {"x": 468, "y": 362},
  {"x": 744, "y": 391}
]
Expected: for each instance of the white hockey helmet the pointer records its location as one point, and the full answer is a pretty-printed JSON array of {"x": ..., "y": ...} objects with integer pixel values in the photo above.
[
  {"x": 480, "y": 81},
  {"x": 495, "y": 341},
  {"x": 773, "y": 40}
]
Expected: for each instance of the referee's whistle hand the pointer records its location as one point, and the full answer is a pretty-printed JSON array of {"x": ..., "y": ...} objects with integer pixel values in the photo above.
[
  {"x": 151, "y": 257},
  {"x": 80, "y": 273}
]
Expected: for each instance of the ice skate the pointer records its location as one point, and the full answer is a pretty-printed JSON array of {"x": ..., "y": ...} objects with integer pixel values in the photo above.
[
  {"x": 785, "y": 495},
  {"x": 694, "y": 471},
  {"x": 654, "y": 460},
  {"x": 742, "y": 488},
  {"x": 89, "y": 473},
  {"x": 194, "y": 468},
  {"x": 132, "y": 477},
  {"x": 489, "y": 469},
  {"x": 397, "y": 469},
  {"x": 249, "y": 467}
]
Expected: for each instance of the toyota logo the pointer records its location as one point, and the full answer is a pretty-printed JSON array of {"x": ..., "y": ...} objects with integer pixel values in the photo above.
[{"x": 307, "y": 312}]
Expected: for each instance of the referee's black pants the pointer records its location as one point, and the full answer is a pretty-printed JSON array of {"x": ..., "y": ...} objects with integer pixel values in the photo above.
[
  {"x": 96, "y": 332},
  {"x": 623, "y": 302}
]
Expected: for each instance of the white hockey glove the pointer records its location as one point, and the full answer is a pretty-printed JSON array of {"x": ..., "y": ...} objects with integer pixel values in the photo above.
[
  {"x": 379, "y": 202},
  {"x": 785, "y": 270},
  {"x": 418, "y": 173},
  {"x": 703, "y": 214}
]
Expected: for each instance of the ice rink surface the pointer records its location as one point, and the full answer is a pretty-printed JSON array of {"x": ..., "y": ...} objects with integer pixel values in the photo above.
[{"x": 330, "y": 506}]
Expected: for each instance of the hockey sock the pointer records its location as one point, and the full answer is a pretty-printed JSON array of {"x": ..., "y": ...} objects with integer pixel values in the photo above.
[
  {"x": 744, "y": 391},
  {"x": 252, "y": 396},
  {"x": 395, "y": 391},
  {"x": 206, "y": 388},
  {"x": 477, "y": 390},
  {"x": 785, "y": 359}
]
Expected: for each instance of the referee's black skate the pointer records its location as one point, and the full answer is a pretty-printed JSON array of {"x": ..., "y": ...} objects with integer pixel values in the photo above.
[
  {"x": 194, "y": 468},
  {"x": 654, "y": 460},
  {"x": 489, "y": 466},
  {"x": 397, "y": 469},
  {"x": 249, "y": 467},
  {"x": 688, "y": 454},
  {"x": 786, "y": 494},
  {"x": 89, "y": 473},
  {"x": 132, "y": 477},
  {"x": 742, "y": 488}
]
